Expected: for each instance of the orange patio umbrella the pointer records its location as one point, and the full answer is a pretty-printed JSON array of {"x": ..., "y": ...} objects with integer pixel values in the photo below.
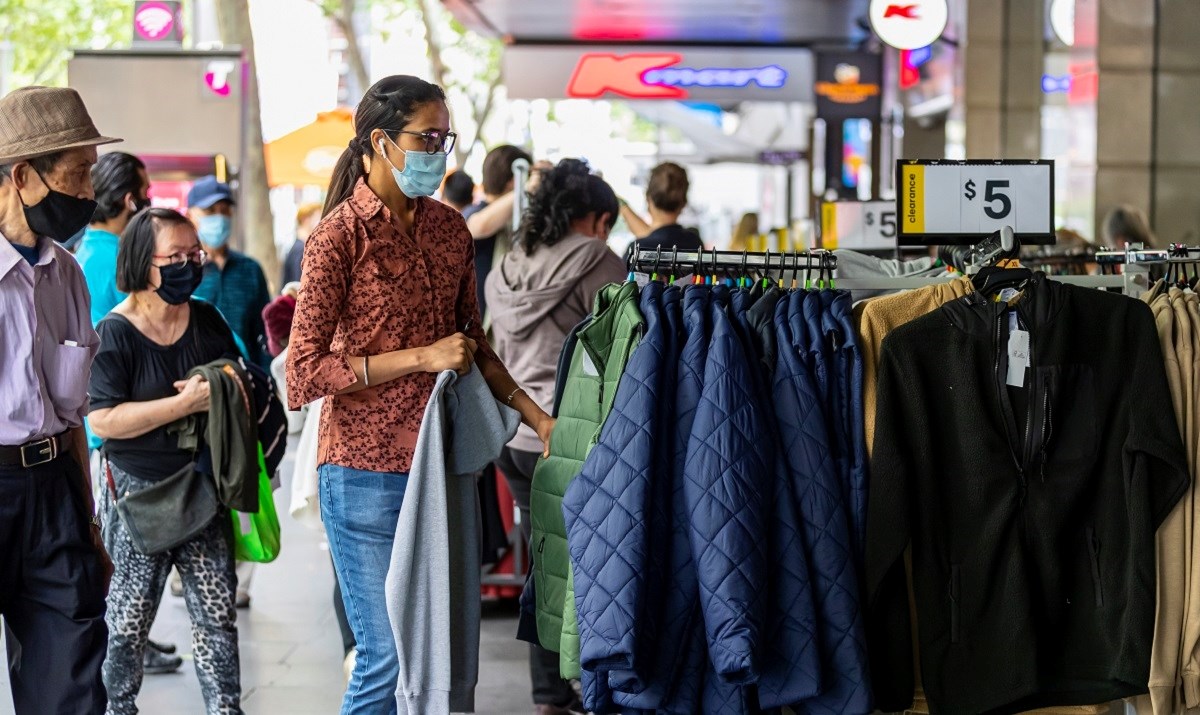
[{"x": 306, "y": 157}]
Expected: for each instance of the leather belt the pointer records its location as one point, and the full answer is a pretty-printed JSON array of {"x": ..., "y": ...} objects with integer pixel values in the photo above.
[{"x": 37, "y": 452}]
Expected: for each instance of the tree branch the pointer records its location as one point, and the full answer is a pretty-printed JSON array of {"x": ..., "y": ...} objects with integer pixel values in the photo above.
[{"x": 358, "y": 63}]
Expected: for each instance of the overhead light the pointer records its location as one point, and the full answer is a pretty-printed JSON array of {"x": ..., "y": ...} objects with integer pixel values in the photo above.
[
  {"x": 1062, "y": 20},
  {"x": 908, "y": 24}
]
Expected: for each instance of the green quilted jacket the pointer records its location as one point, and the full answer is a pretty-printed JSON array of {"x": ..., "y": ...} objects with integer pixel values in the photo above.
[{"x": 599, "y": 359}]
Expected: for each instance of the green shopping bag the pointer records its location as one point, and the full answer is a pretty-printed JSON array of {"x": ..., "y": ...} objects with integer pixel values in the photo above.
[{"x": 256, "y": 536}]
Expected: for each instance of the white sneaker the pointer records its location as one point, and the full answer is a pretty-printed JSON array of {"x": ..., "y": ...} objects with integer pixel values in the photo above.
[{"x": 348, "y": 663}]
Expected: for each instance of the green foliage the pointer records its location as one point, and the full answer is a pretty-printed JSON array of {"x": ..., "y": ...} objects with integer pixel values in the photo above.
[{"x": 42, "y": 34}]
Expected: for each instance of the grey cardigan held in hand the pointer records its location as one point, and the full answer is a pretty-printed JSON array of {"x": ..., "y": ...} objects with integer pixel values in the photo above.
[{"x": 433, "y": 583}]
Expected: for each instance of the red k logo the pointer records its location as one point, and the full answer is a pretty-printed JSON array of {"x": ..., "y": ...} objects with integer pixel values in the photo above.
[
  {"x": 906, "y": 11},
  {"x": 599, "y": 73}
]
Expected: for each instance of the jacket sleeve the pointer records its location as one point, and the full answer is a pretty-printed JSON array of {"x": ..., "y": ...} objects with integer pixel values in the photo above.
[
  {"x": 605, "y": 512},
  {"x": 725, "y": 479},
  {"x": 1155, "y": 461},
  {"x": 889, "y": 634},
  {"x": 313, "y": 370}
]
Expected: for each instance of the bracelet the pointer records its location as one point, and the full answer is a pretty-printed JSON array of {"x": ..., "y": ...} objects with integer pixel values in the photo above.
[
  {"x": 512, "y": 395},
  {"x": 366, "y": 373}
]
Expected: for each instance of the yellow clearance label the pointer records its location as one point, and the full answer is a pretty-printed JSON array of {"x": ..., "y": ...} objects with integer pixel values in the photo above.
[
  {"x": 912, "y": 191},
  {"x": 829, "y": 233}
]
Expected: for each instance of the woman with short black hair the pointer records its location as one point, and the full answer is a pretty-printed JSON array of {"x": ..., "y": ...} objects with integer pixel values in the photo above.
[{"x": 138, "y": 387}]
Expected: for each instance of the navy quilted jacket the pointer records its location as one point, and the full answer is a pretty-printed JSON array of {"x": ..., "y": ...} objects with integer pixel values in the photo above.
[
  {"x": 791, "y": 669},
  {"x": 607, "y": 507},
  {"x": 845, "y": 687},
  {"x": 850, "y": 375},
  {"x": 726, "y": 482}
]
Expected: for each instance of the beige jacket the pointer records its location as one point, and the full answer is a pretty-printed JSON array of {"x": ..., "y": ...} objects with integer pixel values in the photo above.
[
  {"x": 1174, "y": 538},
  {"x": 877, "y": 317},
  {"x": 1188, "y": 354}
]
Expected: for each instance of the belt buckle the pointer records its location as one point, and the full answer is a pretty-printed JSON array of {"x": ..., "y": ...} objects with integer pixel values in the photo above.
[{"x": 45, "y": 450}]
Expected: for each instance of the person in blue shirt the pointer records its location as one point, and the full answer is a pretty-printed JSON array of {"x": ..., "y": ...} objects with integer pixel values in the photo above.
[
  {"x": 122, "y": 189},
  {"x": 233, "y": 281}
]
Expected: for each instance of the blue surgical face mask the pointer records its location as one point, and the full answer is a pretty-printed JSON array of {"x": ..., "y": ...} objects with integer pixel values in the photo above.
[
  {"x": 423, "y": 172},
  {"x": 214, "y": 230}
]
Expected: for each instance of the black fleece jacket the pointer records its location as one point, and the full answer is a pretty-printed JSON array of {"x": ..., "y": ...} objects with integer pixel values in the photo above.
[{"x": 1031, "y": 511}]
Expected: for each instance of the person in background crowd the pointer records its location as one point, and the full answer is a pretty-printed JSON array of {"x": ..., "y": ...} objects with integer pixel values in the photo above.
[
  {"x": 544, "y": 286},
  {"x": 458, "y": 190},
  {"x": 233, "y": 281},
  {"x": 53, "y": 566},
  {"x": 666, "y": 197},
  {"x": 122, "y": 189},
  {"x": 307, "y": 218},
  {"x": 148, "y": 344},
  {"x": 1127, "y": 224},
  {"x": 747, "y": 227},
  {"x": 371, "y": 344},
  {"x": 277, "y": 316},
  {"x": 490, "y": 220}
]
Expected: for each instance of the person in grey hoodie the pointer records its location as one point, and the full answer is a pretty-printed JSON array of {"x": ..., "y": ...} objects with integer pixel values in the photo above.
[{"x": 542, "y": 289}]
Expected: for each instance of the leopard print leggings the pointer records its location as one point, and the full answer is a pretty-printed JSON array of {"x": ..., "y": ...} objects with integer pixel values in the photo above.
[{"x": 206, "y": 566}]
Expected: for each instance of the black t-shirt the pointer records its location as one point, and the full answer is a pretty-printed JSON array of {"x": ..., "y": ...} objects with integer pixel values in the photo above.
[
  {"x": 131, "y": 368},
  {"x": 669, "y": 237}
]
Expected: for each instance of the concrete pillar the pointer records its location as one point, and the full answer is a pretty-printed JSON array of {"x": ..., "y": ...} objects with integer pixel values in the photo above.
[
  {"x": 1002, "y": 79},
  {"x": 1148, "y": 132}
]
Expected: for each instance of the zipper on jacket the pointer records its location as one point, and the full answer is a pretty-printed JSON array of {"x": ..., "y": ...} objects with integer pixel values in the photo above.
[
  {"x": 1031, "y": 398},
  {"x": 541, "y": 545},
  {"x": 1094, "y": 552},
  {"x": 1047, "y": 425},
  {"x": 955, "y": 595}
]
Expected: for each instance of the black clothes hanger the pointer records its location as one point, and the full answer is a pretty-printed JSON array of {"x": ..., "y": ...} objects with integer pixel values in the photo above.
[{"x": 991, "y": 279}]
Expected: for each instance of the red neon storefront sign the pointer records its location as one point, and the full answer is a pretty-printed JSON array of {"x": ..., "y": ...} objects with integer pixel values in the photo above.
[{"x": 652, "y": 75}]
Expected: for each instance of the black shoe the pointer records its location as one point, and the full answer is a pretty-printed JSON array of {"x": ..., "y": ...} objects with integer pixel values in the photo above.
[
  {"x": 155, "y": 662},
  {"x": 168, "y": 648}
]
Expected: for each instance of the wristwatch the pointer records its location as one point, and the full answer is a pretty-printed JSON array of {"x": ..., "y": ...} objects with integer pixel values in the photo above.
[{"x": 95, "y": 520}]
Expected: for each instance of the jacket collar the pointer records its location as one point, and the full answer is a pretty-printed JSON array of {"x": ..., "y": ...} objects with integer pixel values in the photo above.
[{"x": 1040, "y": 304}]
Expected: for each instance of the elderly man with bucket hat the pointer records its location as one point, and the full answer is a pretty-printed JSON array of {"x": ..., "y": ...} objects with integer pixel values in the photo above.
[{"x": 53, "y": 569}]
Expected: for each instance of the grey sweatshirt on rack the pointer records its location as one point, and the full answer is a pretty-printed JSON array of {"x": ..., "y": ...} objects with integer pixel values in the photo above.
[
  {"x": 432, "y": 588},
  {"x": 535, "y": 300}
]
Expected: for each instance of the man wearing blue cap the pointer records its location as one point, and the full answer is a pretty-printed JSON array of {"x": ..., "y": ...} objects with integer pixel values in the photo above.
[{"x": 233, "y": 281}]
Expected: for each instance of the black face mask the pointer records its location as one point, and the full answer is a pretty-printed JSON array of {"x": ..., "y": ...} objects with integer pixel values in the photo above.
[
  {"x": 59, "y": 216},
  {"x": 179, "y": 282}
]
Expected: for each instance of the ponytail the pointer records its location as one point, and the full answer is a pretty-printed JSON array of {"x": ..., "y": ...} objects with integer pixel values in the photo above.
[
  {"x": 346, "y": 173},
  {"x": 390, "y": 105}
]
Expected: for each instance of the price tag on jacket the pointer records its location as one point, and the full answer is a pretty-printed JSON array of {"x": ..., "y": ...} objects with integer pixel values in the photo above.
[
  {"x": 961, "y": 202},
  {"x": 1018, "y": 357},
  {"x": 860, "y": 225}
]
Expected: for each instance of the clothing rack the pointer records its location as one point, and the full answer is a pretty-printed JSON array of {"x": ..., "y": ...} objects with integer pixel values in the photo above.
[
  {"x": 1132, "y": 280},
  {"x": 705, "y": 262}
]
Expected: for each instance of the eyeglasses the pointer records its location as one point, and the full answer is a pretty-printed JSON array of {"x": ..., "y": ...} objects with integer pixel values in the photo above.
[
  {"x": 435, "y": 142},
  {"x": 198, "y": 256}
]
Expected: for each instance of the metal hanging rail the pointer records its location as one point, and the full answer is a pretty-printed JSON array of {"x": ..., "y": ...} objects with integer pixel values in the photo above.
[{"x": 660, "y": 260}]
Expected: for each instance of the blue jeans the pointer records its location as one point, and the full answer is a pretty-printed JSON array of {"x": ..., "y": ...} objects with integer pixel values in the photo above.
[{"x": 360, "y": 510}]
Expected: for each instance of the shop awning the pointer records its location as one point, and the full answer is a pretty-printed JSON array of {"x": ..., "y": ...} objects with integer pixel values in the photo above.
[
  {"x": 756, "y": 23},
  {"x": 306, "y": 157}
]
